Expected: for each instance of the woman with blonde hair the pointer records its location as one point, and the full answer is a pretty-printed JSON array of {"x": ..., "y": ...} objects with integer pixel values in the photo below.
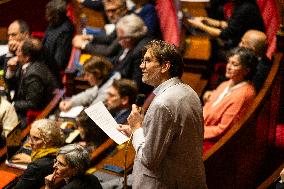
[{"x": 45, "y": 139}]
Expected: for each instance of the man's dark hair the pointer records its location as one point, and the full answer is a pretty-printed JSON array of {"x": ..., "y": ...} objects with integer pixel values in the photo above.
[
  {"x": 56, "y": 12},
  {"x": 164, "y": 52},
  {"x": 32, "y": 48},
  {"x": 23, "y": 26},
  {"x": 126, "y": 87}
]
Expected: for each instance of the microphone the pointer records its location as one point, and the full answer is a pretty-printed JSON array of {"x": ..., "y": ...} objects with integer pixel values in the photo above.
[{"x": 140, "y": 98}]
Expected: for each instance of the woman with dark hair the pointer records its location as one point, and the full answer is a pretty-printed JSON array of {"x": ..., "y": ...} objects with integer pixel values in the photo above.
[
  {"x": 98, "y": 72},
  {"x": 246, "y": 15},
  {"x": 91, "y": 135},
  {"x": 226, "y": 104},
  {"x": 71, "y": 164}
]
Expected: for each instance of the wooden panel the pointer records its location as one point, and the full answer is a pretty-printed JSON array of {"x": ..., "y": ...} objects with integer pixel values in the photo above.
[
  {"x": 3, "y": 34},
  {"x": 198, "y": 48},
  {"x": 94, "y": 18},
  {"x": 194, "y": 8},
  {"x": 192, "y": 79}
]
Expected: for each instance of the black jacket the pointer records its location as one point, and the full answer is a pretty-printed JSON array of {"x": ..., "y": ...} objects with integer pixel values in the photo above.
[
  {"x": 34, "y": 175},
  {"x": 83, "y": 182},
  {"x": 129, "y": 66},
  {"x": 57, "y": 44},
  {"x": 244, "y": 17},
  {"x": 34, "y": 87}
]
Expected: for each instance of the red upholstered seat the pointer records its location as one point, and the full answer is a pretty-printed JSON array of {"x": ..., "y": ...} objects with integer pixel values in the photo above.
[
  {"x": 279, "y": 140},
  {"x": 166, "y": 12},
  {"x": 269, "y": 11},
  {"x": 31, "y": 116}
]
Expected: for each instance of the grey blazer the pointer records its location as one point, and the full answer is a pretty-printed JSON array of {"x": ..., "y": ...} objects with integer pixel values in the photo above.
[{"x": 169, "y": 143}]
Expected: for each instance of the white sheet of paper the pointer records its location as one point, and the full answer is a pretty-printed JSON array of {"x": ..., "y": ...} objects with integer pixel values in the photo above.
[
  {"x": 3, "y": 49},
  {"x": 72, "y": 113},
  {"x": 101, "y": 116}
]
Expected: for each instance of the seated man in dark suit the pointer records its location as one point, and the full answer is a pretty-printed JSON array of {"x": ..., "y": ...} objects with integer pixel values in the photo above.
[
  {"x": 120, "y": 97},
  {"x": 33, "y": 80},
  {"x": 18, "y": 30},
  {"x": 132, "y": 35},
  {"x": 105, "y": 45}
]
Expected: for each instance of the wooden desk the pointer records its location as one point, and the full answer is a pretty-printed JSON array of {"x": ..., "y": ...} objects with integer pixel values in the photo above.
[
  {"x": 116, "y": 157},
  {"x": 195, "y": 8},
  {"x": 197, "y": 46},
  {"x": 5, "y": 167}
]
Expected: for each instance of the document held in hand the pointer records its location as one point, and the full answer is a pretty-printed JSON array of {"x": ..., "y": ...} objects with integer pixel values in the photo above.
[{"x": 101, "y": 116}]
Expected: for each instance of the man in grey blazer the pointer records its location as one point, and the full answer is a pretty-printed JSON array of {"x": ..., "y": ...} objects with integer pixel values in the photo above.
[{"x": 168, "y": 138}]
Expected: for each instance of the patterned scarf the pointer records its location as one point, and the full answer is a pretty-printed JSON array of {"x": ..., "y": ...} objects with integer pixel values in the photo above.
[{"x": 39, "y": 153}]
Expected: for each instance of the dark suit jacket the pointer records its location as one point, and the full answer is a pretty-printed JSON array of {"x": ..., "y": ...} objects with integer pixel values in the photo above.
[
  {"x": 57, "y": 45},
  {"x": 104, "y": 45},
  {"x": 83, "y": 182},
  {"x": 262, "y": 69},
  {"x": 33, "y": 177},
  {"x": 34, "y": 88},
  {"x": 129, "y": 66}
]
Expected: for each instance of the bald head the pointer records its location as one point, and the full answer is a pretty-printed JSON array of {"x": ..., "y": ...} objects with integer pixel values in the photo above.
[{"x": 256, "y": 41}]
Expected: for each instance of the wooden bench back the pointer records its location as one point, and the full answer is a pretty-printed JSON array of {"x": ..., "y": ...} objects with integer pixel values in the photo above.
[{"x": 235, "y": 160}]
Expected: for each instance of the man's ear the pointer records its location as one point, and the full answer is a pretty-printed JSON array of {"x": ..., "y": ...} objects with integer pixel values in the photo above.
[{"x": 166, "y": 66}]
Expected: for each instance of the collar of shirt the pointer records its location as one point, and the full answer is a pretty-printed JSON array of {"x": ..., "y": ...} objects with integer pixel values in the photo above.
[
  {"x": 227, "y": 91},
  {"x": 163, "y": 86},
  {"x": 24, "y": 67}
]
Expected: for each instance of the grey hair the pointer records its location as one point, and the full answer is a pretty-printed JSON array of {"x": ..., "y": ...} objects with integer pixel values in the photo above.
[
  {"x": 132, "y": 26},
  {"x": 49, "y": 131},
  {"x": 77, "y": 157}
]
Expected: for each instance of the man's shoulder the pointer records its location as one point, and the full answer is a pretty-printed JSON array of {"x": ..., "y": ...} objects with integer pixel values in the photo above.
[{"x": 178, "y": 94}]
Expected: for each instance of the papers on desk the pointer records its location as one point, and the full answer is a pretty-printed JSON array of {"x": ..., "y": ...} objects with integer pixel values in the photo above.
[
  {"x": 3, "y": 49},
  {"x": 101, "y": 116},
  {"x": 21, "y": 166},
  {"x": 72, "y": 113}
]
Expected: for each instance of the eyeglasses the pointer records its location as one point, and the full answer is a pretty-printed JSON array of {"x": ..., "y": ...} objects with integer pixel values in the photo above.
[
  {"x": 34, "y": 139},
  {"x": 146, "y": 61},
  {"x": 113, "y": 10}
]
